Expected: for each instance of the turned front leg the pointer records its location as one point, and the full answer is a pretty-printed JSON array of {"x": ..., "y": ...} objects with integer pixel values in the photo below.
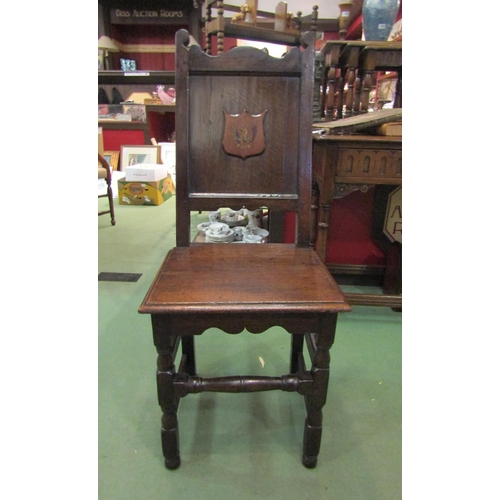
[
  {"x": 166, "y": 347},
  {"x": 320, "y": 371},
  {"x": 169, "y": 404}
]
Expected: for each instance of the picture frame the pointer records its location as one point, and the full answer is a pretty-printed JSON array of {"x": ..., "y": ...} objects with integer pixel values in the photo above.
[
  {"x": 112, "y": 158},
  {"x": 128, "y": 64},
  {"x": 135, "y": 155}
]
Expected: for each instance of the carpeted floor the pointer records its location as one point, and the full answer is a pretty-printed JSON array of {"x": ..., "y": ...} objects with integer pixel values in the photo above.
[{"x": 237, "y": 446}]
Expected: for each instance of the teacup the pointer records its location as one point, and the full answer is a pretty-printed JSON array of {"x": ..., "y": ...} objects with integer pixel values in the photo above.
[
  {"x": 217, "y": 227},
  {"x": 261, "y": 232},
  {"x": 238, "y": 233},
  {"x": 214, "y": 216},
  {"x": 253, "y": 238},
  {"x": 203, "y": 226},
  {"x": 231, "y": 215}
]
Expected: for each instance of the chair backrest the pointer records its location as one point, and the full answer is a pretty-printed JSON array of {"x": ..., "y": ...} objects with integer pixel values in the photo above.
[{"x": 244, "y": 132}]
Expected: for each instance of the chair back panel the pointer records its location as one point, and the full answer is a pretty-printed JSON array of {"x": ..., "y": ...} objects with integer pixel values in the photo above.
[
  {"x": 227, "y": 173},
  {"x": 243, "y": 132}
]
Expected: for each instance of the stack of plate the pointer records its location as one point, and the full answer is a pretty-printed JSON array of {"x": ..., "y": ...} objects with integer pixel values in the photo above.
[{"x": 225, "y": 236}]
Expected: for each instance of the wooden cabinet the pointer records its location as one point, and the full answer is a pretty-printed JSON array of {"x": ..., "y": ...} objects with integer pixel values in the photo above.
[{"x": 341, "y": 165}]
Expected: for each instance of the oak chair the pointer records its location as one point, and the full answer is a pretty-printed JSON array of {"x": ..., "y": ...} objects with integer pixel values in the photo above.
[
  {"x": 104, "y": 172},
  {"x": 243, "y": 127}
]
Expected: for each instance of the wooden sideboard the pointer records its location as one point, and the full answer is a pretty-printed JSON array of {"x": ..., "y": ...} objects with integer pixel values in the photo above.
[{"x": 341, "y": 164}]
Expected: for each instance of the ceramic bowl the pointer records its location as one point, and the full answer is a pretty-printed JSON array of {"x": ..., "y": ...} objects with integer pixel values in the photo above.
[
  {"x": 261, "y": 232},
  {"x": 253, "y": 238}
]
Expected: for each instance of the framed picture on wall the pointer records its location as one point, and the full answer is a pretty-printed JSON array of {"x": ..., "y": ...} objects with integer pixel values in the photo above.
[
  {"x": 136, "y": 155},
  {"x": 112, "y": 158}
]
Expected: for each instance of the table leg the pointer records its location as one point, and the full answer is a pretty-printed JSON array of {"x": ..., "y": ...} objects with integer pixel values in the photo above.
[
  {"x": 351, "y": 82},
  {"x": 357, "y": 93},
  {"x": 314, "y": 214},
  {"x": 322, "y": 232},
  {"x": 365, "y": 92},
  {"x": 330, "y": 98},
  {"x": 398, "y": 98}
]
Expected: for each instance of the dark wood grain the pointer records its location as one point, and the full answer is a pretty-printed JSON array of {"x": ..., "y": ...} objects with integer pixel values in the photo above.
[{"x": 236, "y": 287}]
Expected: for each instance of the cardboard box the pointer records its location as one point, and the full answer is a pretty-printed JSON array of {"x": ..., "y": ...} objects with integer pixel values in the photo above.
[
  {"x": 146, "y": 172},
  {"x": 143, "y": 193}
]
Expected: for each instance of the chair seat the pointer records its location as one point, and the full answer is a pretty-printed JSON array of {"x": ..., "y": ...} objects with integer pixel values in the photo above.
[{"x": 243, "y": 278}]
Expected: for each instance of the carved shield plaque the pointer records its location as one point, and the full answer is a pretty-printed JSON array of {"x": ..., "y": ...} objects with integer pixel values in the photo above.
[{"x": 244, "y": 134}]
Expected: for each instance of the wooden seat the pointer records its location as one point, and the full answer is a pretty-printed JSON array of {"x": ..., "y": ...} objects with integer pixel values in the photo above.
[
  {"x": 243, "y": 128},
  {"x": 104, "y": 172}
]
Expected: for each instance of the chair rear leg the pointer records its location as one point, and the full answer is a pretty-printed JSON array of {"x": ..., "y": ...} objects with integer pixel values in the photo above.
[
  {"x": 188, "y": 351},
  {"x": 296, "y": 349}
]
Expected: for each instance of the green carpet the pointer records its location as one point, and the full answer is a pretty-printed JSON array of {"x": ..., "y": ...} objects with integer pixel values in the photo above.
[{"x": 237, "y": 446}]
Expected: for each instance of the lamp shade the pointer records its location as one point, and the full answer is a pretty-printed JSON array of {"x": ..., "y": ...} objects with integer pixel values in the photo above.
[{"x": 107, "y": 44}]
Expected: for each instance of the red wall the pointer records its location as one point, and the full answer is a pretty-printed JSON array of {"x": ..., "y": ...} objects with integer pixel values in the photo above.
[{"x": 150, "y": 35}]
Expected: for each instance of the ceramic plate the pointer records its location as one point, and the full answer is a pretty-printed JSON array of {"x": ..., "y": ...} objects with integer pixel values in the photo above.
[{"x": 228, "y": 239}]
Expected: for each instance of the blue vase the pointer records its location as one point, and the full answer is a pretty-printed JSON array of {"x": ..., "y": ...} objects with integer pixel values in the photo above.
[{"x": 378, "y": 18}]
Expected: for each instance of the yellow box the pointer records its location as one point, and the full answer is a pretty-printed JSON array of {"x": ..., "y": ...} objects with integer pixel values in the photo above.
[{"x": 143, "y": 193}]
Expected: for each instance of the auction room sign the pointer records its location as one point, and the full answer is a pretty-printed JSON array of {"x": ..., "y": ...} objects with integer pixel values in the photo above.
[
  {"x": 148, "y": 16},
  {"x": 393, "y": 224}
]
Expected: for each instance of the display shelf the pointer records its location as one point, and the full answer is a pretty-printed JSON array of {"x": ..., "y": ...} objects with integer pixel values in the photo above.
[
  {"x": 160, "y": 108},
  {"x": 115, "y": 77}
]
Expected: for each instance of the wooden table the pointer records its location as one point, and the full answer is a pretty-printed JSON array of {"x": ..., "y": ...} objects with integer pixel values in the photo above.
[{"x": 342, "y": 163}]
